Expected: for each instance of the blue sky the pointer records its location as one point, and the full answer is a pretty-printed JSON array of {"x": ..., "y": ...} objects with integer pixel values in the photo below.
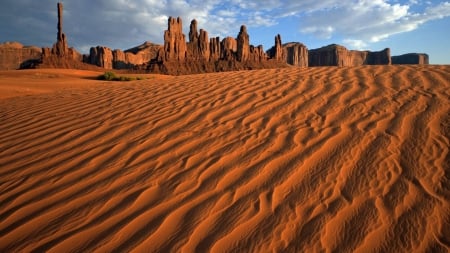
[{"x": 404, "y": 26}]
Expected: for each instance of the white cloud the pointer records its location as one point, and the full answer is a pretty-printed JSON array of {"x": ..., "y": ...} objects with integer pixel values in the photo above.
[
  {"x": 368, "y": 21},
  {"x": 355, "y": 44}
]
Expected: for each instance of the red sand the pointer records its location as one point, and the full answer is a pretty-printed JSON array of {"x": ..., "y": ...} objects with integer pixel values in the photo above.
[{"x": 284, "y": 160}]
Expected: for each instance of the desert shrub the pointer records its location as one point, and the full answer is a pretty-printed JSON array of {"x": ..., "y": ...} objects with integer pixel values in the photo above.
[
  {"x": 107, "y": 76},
  {"x": 111, "y": 76}
]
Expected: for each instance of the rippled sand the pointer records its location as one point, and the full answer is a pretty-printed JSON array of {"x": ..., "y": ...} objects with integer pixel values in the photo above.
[{"x": 284, "y": 160}]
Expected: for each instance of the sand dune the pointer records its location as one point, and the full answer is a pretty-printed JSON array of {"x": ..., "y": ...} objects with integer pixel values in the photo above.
[{"x": 283, "y": 160}]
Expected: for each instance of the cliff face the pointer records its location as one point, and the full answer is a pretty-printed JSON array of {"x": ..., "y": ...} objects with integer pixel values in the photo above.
[
  {"x": 132, "y": 58},
  {"x": 412, "y": 58},
  {"x": 331, "y": 55},
  {"x": 296, "y": 54},
  {"x": 14, "y": 55},
  {"x": 336, "y": 55},
  {"x": 101, "y": 56}
]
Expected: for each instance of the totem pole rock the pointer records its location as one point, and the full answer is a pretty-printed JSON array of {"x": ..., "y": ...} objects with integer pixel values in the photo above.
[{"x": 60, "y": 48}]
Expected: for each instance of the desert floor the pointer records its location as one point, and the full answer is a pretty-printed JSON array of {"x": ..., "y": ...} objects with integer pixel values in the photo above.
[{"x": 283, "y": 160}]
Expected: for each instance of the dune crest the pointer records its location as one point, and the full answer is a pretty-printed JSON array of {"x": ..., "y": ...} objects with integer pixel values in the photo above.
[{"x": 284, "y": 160}]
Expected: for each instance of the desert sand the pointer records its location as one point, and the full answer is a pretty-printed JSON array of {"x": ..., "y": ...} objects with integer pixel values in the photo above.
[{"x": 282, "y": 160}]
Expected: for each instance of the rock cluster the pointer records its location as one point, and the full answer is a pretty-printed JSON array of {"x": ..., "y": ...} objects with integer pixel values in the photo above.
[
  {"x": 412, "y": 58},
  {"x": 336, "y": 55},
  {"x": 199, "y": 54}
]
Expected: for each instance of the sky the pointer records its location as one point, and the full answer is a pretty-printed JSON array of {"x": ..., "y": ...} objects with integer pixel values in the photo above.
[{"x": 405, "y": 26}]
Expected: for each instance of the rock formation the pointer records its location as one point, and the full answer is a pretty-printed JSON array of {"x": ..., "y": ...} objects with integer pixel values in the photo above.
[
  {"x": 296, "y": 54},
  {"x": 192, "y": 45},
  {"x": 229, "y": 48},
  {"x": 411, "y": 58},
  {"x": 60, "y": 48},
  {"x": 14, "y": 55},
  {"x": 198, "y": 45},
  {"x": 133, "y": 58},
  {"x": 211, "y": 55},
  {"x": 243, "y": 45},
  {"x": 331, "y": 55},
  {"x": 293, "y": 53},
  {"x": 215, "y": 49},
  {"x": 101, "y": 56},
  {"x": 60, "y": 55},
  {"x": 336, "y": 55},
  {"x": 257, "y": 54},
  {"x": 276, "y": 52},
  {"x": 199, "y": 54},
  {"x": 203, "y": 44},
  {"x": 174, "y": 41}
]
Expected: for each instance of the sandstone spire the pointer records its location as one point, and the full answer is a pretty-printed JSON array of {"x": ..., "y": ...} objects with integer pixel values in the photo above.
[
  {"x": 243, "y": 44},
  {"x": 193, "y": 34},
  {"x": 203, "y": 44},
  {"x": 60, "y": 48},
  {"x": 174, "y": 41},
  {"x": 278, "y": 48}
]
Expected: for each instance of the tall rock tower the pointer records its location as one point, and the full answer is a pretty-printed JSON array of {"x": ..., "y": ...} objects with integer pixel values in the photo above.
[
  {"x": 60, "y": 48},
  {"x": 174, "y": 41},
  {"x": 243, "y": 45},
  {"x": 278, "y": 48}
]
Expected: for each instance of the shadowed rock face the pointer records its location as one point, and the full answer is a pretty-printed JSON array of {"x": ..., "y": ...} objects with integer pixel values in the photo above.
[
  {"x": 101, "y": 56},
  {"x": 229, "y": 48},
  {"x": 411, "y": 58},
  {"x": 215, "y": 49},
  {"x": 336, "y": 55}
]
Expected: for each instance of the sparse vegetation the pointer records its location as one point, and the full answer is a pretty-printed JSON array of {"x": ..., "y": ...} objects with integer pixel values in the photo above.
[{"x": 111, "y": 76}]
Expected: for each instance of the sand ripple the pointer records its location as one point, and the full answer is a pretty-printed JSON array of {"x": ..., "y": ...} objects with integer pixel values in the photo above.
[{"x": 284, "y": 160}]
